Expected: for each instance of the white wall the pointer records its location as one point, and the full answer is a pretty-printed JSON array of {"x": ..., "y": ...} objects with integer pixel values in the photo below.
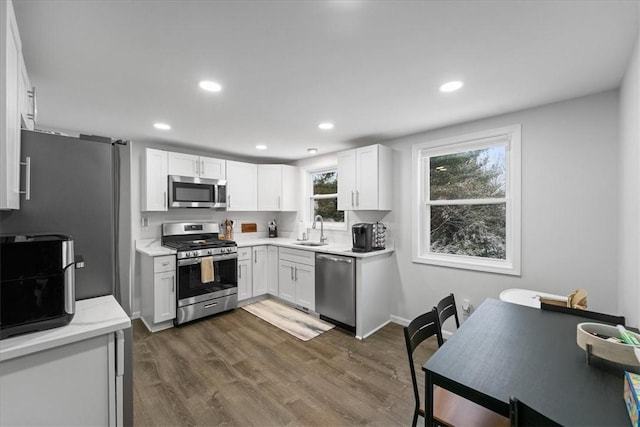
[
  {"x": 569, "y": 209},
  {"x": 629, "y": 189}
]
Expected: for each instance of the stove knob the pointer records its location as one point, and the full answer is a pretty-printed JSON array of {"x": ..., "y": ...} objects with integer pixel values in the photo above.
[{"x": 210, "y": 251}]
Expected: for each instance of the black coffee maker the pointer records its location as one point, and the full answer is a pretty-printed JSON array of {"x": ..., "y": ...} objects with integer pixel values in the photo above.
[{"x": 362, "y": 236}]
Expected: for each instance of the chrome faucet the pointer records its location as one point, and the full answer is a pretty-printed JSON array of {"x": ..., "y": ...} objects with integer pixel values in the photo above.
[{"x": 323, "y": 238}]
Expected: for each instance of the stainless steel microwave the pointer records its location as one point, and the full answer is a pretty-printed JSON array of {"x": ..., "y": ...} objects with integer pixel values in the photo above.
[{"x": 190, "y": 192}]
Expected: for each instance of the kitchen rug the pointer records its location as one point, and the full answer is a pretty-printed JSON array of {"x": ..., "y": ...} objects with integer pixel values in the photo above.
[{"x": 290, "y": 320}]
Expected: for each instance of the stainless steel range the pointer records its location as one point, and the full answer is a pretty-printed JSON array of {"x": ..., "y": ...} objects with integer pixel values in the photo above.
[{"x": 207, "y": 281}]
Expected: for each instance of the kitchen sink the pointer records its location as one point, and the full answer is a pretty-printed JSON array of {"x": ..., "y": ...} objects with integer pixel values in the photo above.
[{"x": 311, "y": 243}]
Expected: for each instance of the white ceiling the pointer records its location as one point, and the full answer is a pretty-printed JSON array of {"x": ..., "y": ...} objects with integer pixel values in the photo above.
[{"x": 113, "y": 68}]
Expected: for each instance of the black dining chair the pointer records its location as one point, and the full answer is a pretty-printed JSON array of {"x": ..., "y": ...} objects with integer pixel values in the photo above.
[
  {"x": 447, "y": 308},
  {"x": 522, "y": 415},
  {"x": 449, "y": 409}
]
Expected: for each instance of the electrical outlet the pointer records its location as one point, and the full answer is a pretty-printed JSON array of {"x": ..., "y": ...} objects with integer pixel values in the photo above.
[
  {"x": 466, "y": 308},
  {"x": 144, "y": 222}
]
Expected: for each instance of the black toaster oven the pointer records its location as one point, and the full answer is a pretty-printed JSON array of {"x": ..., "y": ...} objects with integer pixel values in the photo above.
[{"x": 37, "y": 282}]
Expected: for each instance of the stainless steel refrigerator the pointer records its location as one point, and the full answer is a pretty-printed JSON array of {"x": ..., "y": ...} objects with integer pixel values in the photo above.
[{"x": 79, "y": 187}]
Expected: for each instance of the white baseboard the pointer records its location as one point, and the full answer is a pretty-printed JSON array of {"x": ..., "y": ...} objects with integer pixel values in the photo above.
[{"x": 135, "y": 315}]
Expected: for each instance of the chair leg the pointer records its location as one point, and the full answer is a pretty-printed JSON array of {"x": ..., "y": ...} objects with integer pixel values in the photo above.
[{"x": 415, "y": 418}]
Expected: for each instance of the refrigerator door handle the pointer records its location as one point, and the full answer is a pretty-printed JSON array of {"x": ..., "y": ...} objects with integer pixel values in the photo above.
[{"x": 27, "y": 178}]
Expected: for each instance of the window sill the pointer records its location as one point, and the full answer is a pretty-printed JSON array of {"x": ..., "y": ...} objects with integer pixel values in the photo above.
[{"x": 469, "y": 263}]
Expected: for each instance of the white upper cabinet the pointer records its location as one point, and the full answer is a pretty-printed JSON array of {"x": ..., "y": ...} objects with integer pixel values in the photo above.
[
  {"x": 365, "y": 179},
  {"x": 242, "y": 186},
  {"x": 10, "y": 60},
  {"x": 26, "y": 97},
  {"x": 278, "y": 188},
  {"x": 196, "y": 166},
  {"x": 154, "y": 181}
]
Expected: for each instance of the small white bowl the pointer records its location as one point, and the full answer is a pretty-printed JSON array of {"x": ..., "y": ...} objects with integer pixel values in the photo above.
[{"x": 613, "y": 351}]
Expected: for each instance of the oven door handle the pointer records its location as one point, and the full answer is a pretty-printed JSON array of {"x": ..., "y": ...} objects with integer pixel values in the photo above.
[{"x": 192, "y": 261}]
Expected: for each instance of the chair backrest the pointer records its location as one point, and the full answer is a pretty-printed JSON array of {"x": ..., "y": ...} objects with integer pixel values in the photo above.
[
  {"x": 447, "y": 308},
  {"x": 601, "y": 317},
  {"x": 422, "y": 327},
  {"x": 522, "y": 415}
]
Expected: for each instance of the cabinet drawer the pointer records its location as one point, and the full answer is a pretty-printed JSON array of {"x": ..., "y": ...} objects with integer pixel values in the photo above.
[
  {"x": 244, "y": 254},
  {"x": 164, "y": 263},
  {"x": 298, "y": 255}
]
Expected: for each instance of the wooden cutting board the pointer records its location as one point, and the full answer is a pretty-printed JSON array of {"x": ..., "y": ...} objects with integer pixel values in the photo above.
[{"x": 249, "y": 227}]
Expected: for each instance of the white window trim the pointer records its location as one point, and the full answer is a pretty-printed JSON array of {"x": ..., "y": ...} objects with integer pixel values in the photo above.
[
  {"x": 335, "y": 226},
  {"x": 512, "y": 265}
]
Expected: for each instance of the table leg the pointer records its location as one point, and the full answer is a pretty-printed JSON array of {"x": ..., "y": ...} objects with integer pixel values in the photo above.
[{"x": 428, "y": 399}]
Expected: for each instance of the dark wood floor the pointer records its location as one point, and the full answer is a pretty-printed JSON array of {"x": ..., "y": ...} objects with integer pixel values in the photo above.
[{"x": 236, "y": 369}]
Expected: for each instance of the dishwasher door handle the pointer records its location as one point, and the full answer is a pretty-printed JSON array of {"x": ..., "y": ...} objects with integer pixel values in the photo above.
[{"x": 333, "y": 258}]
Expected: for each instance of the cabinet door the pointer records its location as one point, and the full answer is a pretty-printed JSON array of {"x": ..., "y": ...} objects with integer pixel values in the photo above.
[
  {"x": 242, "y": 180},
  {"x": 10, "y": 111},
  {"x": 164, "y": 296},
  {"x": 286, "y": 281},
  {"x": 259, "y": 273},
  {"x": 68, "y": 385},
  {"x": 154, "y": 187},
  {"x": 272, "y": 271},
  {"x": 346, "y": 180},
  {"x": 213, "y": 168},
  {"x": 269, "y": 187},
  {"x": 183, "y": 164},
  {"x": 27, "y": 111},
  {"x": 304, "y": 276},
  {"x": 244, "y": 280},
  {"x": 367, "y": 178},
  {"x": 290, "y": 199}
]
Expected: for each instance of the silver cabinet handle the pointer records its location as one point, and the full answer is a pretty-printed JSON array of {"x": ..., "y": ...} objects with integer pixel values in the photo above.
[
  {"x": 34, "y": 115},
  {"x": 173, "y": 284},
  {"x": 357, "y": 199},
  {"x": 352, "y": 204},
  {"x": 229, "y": 201},
  {"x": 164, "y": 199},
  {"x": 211, "y": 305},
  {"x": 292, "y": 279},
  {"x": 239, "y": 272},
  {"x": 296, "y": 279},
  {"x": 201, "y": 167},
  {"x": 27, "y": 178},
  {"x": 255, "y": 257}
]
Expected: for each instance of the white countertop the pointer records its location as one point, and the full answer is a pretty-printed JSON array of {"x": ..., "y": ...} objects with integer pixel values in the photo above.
[
  {"x": 331, "y": 248},
  {"x": 153, "y": 247},
  {"x": 94, "y": 317}
]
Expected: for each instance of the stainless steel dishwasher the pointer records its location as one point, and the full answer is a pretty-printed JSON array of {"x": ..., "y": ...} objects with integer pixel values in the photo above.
[{"x": 336, "y": 290}]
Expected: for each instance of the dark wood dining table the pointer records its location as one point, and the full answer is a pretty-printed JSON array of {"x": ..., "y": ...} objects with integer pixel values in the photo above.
[{"x": 505, "y": 350}]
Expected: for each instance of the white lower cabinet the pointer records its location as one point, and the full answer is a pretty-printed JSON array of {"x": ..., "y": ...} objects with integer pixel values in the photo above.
[
  {"x": 72, "y": 385},
  {"x": 272, "y": 270},
  {"x": 158, "y": 293},
  {"x": 259, "y": 273},
  {"x": 296, "y": 277},
  {"x": 245, "y": 281}
]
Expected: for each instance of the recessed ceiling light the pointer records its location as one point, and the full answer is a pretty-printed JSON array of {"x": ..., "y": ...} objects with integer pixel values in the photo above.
[
  {"x": 325, "y": 126},
  {"x": 210, "y": 86},
  {"x": 312, "y": 150},
  {"x": 451, "y": 86},
  {"x": 161, "y": 126},
  {"x": 261, "y": 147}
]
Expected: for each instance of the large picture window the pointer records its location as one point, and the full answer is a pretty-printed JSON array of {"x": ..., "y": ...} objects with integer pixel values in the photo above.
[
  {"x": 467, "y": 213},
  {"x": 324, "y": 198}
]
